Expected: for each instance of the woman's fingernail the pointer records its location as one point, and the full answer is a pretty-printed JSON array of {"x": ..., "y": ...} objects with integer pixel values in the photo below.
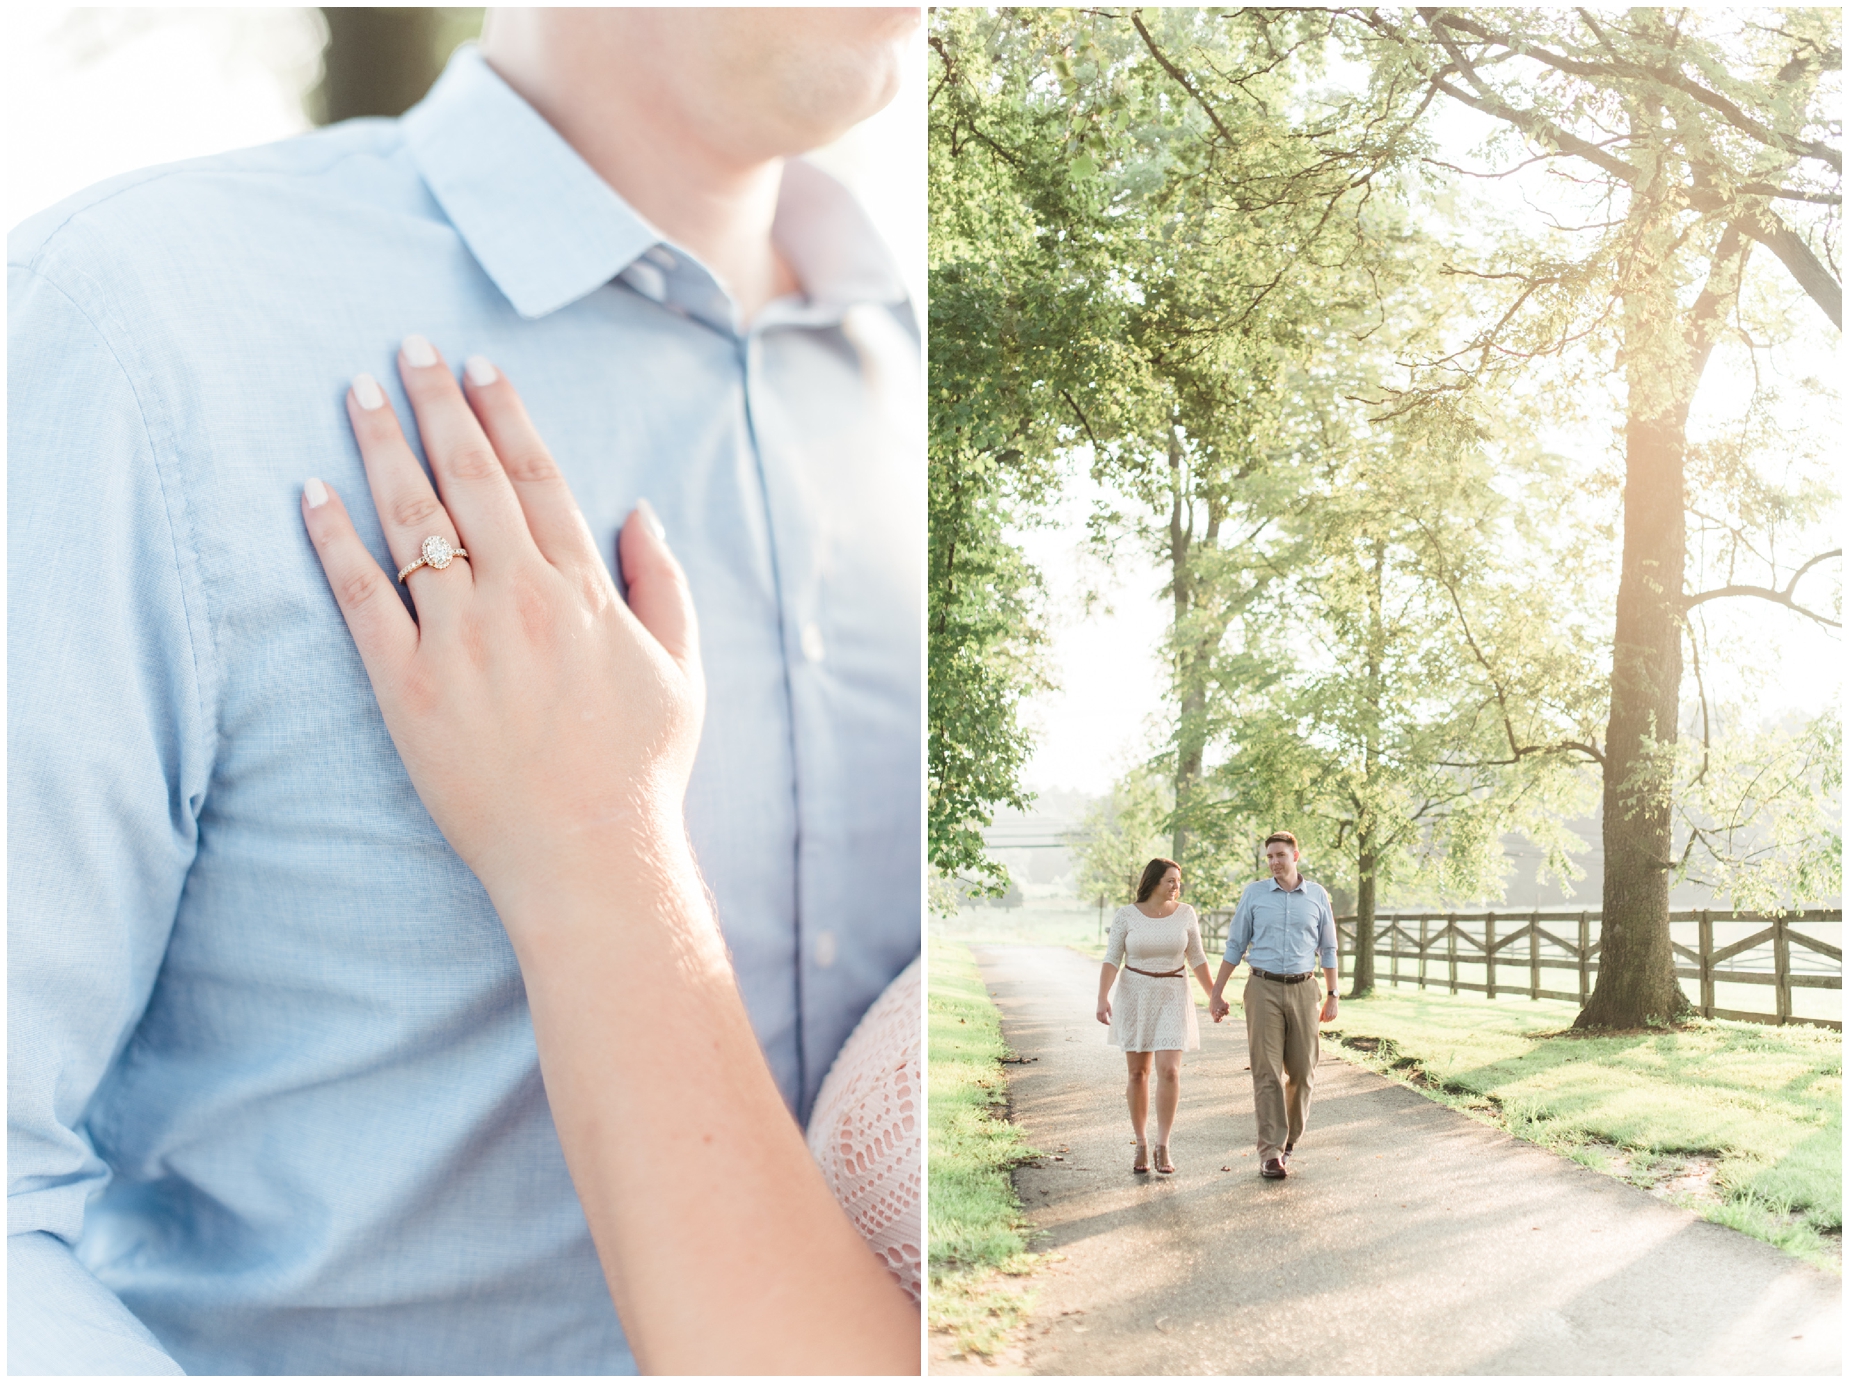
[
  {"x": 419, "y": 351},
  {"x": 367, "y": 393},
  {"x": 652, "y": 520},
  {"x": 480, "y": 370},
  {"x": 315, "y": 493}
]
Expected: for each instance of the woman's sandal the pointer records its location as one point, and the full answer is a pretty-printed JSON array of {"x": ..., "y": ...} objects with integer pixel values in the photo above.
[
  {"x": 1163, "y": 1165},
  {"x": 1142, "y": 1159}
]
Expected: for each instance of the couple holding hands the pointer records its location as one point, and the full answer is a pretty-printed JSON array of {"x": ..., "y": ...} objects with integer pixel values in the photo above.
[{"x": 1283, "y": 927}]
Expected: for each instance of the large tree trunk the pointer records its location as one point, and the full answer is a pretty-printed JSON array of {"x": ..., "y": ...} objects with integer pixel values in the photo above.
[{"x": 1637, "y": 980}]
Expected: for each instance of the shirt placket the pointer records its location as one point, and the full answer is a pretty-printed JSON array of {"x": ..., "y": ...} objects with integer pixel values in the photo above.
[{"x": 798, "y": 522}]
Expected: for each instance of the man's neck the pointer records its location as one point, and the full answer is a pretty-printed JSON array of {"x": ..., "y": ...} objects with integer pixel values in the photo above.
[
  {"x": 719, "y": 207},
  {"x": 1288, "y": 882}
]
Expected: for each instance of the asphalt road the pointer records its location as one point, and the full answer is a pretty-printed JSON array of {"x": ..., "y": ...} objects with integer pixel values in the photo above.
[{"x": 1408, "y": 1239}]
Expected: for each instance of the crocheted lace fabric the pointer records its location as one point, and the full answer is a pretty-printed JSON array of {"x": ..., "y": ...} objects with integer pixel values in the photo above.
[{"x": 867, "y": 1128}]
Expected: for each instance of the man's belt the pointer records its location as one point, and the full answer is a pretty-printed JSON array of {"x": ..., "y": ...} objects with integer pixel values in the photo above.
[
  {"x": 1159, "y": 974},
  {"x": 1282, "y": 979}
]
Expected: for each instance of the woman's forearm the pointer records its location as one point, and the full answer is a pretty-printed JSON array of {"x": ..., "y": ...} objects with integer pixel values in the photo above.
[
  {"x": 1106, "y": 977},
  {"x": 724, "y": 1251},
  {"x": 1204, "y": 979}
]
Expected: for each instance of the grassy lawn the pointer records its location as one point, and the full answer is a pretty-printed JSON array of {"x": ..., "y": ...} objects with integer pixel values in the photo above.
[
  {"x": 977, "y": 1229},
  {"x": 1738, "y": 1122}
]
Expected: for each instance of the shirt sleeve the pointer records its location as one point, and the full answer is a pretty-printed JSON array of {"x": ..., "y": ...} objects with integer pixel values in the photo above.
[
  {"x": 1197, "y": 954},
  {"x": 1326, "y": 941},
  {"x": 1115, "y": 942},
  {"x": 108, "y": 755},
  {"x": 1239, "y": 930}
]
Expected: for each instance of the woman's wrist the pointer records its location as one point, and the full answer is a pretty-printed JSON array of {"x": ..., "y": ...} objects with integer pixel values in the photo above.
[{"x": 634, "y": 881}]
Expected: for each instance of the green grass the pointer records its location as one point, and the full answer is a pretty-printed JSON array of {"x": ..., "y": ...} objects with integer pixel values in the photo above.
[
  {"x": 1739, "y": 1122},
  {"x": 978, "y": 1232}
]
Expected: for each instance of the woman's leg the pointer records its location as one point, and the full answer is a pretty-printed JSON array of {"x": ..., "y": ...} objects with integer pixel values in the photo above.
[
  {"x": 1138, "y": 1093},
  {"x": 1168, "y": 1092}
]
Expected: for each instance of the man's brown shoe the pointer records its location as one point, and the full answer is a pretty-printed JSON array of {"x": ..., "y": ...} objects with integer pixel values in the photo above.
[{"x": 1273, "y": 1168}]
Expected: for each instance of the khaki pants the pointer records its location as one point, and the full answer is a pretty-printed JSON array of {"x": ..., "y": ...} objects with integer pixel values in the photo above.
[{"x": 1282, "y": 1036}]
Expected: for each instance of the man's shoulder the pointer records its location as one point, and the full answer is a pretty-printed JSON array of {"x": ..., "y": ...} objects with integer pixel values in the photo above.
[{"x": 205, "y": 206}]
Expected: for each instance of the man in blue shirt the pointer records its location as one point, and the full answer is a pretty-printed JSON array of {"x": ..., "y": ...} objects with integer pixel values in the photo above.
[
  {"x": 274, "y": 1105},
  {"x": 1282, "y": 926}
]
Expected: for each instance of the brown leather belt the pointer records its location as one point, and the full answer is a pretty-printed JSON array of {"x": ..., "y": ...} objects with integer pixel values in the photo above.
[
  {"x": 1282, "y": 979},
  {"x": 1159, "y": 974}
]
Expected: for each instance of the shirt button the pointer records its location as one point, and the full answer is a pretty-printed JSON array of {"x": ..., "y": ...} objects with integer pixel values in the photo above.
[
  {"x": 824, "y": 950},
  {"x": 813, "y": 647}
]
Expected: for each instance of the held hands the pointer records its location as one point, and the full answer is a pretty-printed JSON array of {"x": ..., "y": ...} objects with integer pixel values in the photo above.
[
  {"x": 1217, "y": 1007},
  {"x": 546, "y": 724}
]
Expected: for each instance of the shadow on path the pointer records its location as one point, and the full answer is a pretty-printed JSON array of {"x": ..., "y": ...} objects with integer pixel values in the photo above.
[{"x": 1408, "y": 1239}]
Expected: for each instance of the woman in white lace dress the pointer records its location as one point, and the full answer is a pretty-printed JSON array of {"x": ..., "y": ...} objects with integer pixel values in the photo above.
[
  {"x": 1155, "y": 941},
  {"x": 549, "y": 725}
]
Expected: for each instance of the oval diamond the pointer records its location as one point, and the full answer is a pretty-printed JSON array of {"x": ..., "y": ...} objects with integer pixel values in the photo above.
[{"x": 438, "y": 552}]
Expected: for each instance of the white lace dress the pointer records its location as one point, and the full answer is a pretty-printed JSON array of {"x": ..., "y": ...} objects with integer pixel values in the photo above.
[
  {"x": 867, "y": 1128},
  {"x": 1148, "y": 1014}
]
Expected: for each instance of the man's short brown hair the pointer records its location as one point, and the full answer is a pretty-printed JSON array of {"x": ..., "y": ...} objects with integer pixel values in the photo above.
[{"x": 1284, "y": 836}]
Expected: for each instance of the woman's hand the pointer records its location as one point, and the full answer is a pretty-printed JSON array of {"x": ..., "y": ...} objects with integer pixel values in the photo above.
[
  {"x": 550, "y": 730},
  {"x": 547, "y": 725},
  {"x": 1104, "y": 1012}
]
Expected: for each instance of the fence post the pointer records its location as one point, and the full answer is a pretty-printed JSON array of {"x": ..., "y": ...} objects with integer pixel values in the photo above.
[
  {"x": 1781, "y": 964},
  {"x": 1451, "y": 947},
  {"x": 1489, "y": 954},
  {"x": 1706, "y": 946},
  {"x": 1423, "y": 918},
  {"x": 1534, "y": 954},
  {"x": 1393, "y": 949},
  {"x": 1585, "y": 957}
]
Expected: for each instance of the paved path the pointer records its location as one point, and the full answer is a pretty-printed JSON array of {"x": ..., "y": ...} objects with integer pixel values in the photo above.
[{"x": 1407, "y": 1240}]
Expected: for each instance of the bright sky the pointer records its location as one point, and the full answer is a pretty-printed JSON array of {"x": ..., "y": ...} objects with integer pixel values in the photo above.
[{"x": 95, "y": 92}]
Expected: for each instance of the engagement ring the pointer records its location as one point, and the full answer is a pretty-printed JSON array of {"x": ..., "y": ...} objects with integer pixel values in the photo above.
[{"x": 437, "y": 553}]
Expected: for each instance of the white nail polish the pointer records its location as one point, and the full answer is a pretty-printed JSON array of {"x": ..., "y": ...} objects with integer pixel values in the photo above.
[
  {"x": 651, "y": 520},
  {"x": 367, "y": 393},
  {"x": 481, "y": 371},
  {"x": 418, "y": 351},
  {"x": 315, "y": 493}
]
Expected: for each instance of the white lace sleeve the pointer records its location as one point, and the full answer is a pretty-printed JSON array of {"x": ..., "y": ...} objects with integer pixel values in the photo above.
[{"x": 867, "y": 1128}]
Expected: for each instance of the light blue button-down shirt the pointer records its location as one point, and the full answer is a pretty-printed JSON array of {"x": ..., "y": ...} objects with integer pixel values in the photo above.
[
  {"x": 1283, "y": 931},
  {"x": 272, "y": 1080}
]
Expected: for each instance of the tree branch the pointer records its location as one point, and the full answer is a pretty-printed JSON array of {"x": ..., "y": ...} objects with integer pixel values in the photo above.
[
  {"x": 1762, "y": 224},
  {"x": 1136, "y": 18},
  {"x": 1777, "y": 597},
  {"x": 1731, "y": 112}
]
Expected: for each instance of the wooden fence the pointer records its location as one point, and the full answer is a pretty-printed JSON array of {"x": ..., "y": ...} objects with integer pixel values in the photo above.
[{"x": 1521, "y": 945}]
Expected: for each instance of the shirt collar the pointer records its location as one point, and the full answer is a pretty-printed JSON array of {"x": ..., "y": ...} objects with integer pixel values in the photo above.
[
  {"x": 548, "y": 230},
  {"x": 1277, "y": 887}
]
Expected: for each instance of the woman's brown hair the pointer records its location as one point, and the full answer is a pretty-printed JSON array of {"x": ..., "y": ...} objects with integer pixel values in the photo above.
[{"x": 1152, "y": 876}]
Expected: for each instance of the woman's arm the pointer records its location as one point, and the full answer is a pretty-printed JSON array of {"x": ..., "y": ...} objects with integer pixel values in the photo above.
[
  {"x": 1194, "y": 953},
  {"x": 1106, "y": 977},
  {"x": 550, "y": 728},
  {"x": 724, "y": 1250}
]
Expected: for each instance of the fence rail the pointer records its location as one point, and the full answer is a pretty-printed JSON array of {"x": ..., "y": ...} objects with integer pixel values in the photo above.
[{"x": 1496, "y": 944}]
